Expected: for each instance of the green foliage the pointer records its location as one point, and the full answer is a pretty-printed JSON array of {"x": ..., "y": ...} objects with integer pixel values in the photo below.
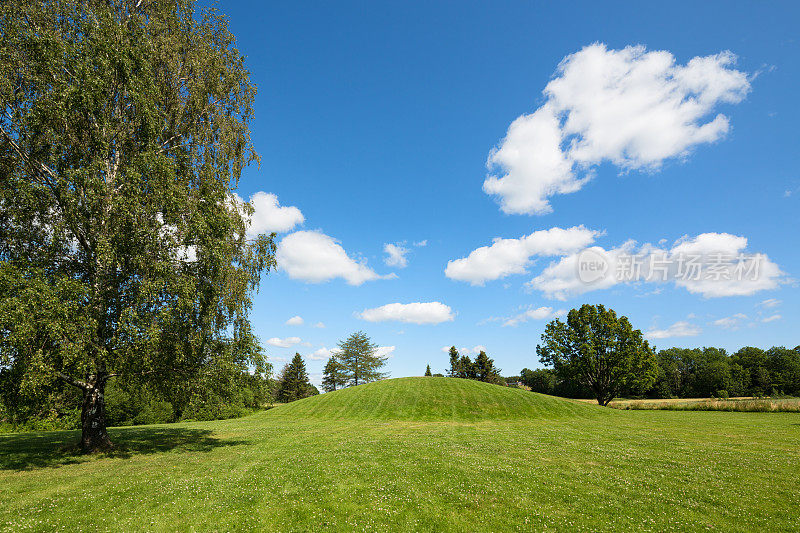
[
  {"x": 453, "y": 371},
  {"x": 333, "y": 377},
  {"x": 428, "y": 371},
  {"x": 706, "y": 372},
  {"x": 360, "y": 360},
  {"x": 599, "y": 350},
  {"x": 122, "y": 252},
  {"x": 293, "y": 382},
  {"x": 541, "y": 380},
  {"x": 485, "y": 369}
]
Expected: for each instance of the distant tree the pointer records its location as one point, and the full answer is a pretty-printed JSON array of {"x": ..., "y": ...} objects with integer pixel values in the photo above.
[
  {"x": 428, "y": 370},
  {"x": 541, "y": 380},
  {"x": 784, "y": 370},
  {"x": 485, "y": 369},
  {"x": 124, "y": 130},
  {"x": 360, "y": 360},
  {"x": 600, "y": 350},
  {"x": 333, "y": 375},
  {"x": 756, "y": 378},
  {"x": 465, "y": 368},
  {"x": 453, "y": 370},
  {"x": 293, "y": 381}
]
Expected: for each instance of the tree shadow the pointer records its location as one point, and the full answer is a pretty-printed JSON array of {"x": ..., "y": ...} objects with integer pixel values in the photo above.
[{"x": 43, "y": 449}]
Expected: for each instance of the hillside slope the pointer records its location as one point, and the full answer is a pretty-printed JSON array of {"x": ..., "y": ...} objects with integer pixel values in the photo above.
[{"x": 429, "y": 398}]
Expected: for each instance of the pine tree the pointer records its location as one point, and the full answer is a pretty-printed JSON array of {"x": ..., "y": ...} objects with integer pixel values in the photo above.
[
  {"x": 453, "y": 372},
  {"x": 485, "y": 369},
  {"x": 465, "y": 368},
  {"x": 294, "y": 383},
  {"x": 360, "y": 359},
  {"x": 333, "y": 375},
  {"x": 428, "y": 371}
]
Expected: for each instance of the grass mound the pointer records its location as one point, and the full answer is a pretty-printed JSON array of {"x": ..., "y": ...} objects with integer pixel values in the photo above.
[{"x": 430, "y": 398}]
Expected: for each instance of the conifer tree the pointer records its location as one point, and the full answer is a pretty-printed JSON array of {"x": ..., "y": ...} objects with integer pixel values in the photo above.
[
  {"x": 294, "y": 384},
  {"x": 485, "y": 369},
  {"x": 360, "y": 359},
  {"x": 333, "y": 375},
  {"x": 453, "y": 371},
  {"x": 428, "y": 371},
  {"x": 465, "y": 368}
]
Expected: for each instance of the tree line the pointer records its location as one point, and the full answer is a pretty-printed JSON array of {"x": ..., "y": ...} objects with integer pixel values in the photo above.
[
  {"x": 696, "y": 373},
  {"x": 595, "y": 353}
]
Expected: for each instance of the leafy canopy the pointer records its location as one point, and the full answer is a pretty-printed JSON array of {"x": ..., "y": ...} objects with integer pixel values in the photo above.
[
  {"x": 600, "y": 350},
  {"x": 123, "y": 132}
]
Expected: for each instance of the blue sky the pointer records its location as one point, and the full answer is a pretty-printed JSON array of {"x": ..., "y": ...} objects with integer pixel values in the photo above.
[{"x": 376, "y": 120}]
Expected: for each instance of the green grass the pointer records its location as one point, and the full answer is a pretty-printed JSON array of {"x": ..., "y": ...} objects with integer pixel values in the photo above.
[{"x": 418, "y": 454}]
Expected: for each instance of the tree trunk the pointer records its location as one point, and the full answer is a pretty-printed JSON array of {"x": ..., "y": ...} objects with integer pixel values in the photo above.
[{"x": 94, "y": 437}]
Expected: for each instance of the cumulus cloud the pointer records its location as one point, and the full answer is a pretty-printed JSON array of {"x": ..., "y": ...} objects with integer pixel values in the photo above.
[
  {"x": 513, "y": 256},
  {"x": 395, "y": 255},
  {"x": 385, "y": 351},
  {"x": 678, "y": 329},
  {"x": 268, "y": 215},
  {"x": 771, "y": 318},
  {"x": 422, "y": 243},
  {"x": 539, "y": 313},
  {"x": 288, "y": 342},
  {"x": 709, "y": 264},
  {"x": 321, "y": 354},
  {"x": 413, "y": 313},
  {"x": 295, "y": 321},
  {"x": 314, "y": 257},
  {"x": 630, "y": 107}
]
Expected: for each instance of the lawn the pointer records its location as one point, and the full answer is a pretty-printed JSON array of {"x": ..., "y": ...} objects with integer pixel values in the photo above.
[{"x": 410, "y": 454}]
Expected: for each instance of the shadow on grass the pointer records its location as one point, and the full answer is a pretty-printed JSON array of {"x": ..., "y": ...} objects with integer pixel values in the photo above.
[{"x": 24, "y": 451}]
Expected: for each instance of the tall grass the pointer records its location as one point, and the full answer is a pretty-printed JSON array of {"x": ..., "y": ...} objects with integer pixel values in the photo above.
[{"x": 755, "y": 405}]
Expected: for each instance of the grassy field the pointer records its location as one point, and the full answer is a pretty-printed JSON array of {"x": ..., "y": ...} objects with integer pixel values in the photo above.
[{"x": 414, "y": 454}]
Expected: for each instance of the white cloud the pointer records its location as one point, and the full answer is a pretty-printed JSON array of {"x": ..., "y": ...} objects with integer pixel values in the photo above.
[
  {"x": 321, "y": 354},
  {"x": 314, "y": 257},
  {"x": 269, "y": 216},
  {"x": 385, "y": 351},
  {"x": 319, "y": 325},
  {"x": 772, "y": 318},
  {"x": 710, "y": 264},
  {"x": 413, "y": 313},
  {"x": 539, "y": 313},
  {"x": 284, "y": 343},
  {"x": 769, "y": 303},
  {"x": 464, "y": 350},
  {"x": 631, "y": 107},
  {"x": 295, "y": 321},
  {"x": 422, "y": 243},
  {"x": 678, "y": 329},
  {"x": 395, "y": 255},
  {"x": 513, "y": 256},
  {"x": 733, "y": 322}
]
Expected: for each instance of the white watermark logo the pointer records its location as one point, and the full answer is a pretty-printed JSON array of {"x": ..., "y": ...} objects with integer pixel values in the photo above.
[{"x": 594, "y": 265}]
